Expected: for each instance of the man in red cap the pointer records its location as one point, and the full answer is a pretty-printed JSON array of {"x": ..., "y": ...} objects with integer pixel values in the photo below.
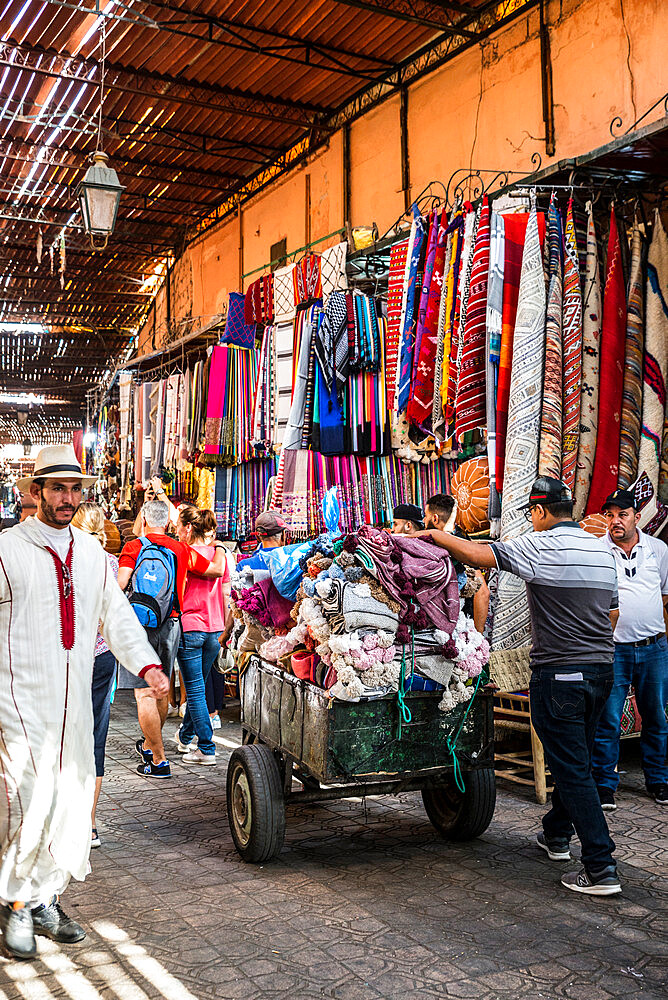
[{"x": 641, "y": 651}]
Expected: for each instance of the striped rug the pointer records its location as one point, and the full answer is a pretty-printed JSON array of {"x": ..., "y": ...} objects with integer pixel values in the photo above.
[
  {"x": 629, "y": 444},
  {"x": 572, "y": 352},
  {"x": 656, "y": 359},
  {"x": 549, "y": 459}
]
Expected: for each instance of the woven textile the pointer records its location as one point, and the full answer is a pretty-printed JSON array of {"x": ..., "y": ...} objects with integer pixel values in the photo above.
[
  {"x": 446, "y": 323},
  {"x": 549, "y": 460},
  {"x": 613, "y": 335},
  {"x": 459, "y": 318},
  {"x": 629, "y": 444},
  {"x": 514, "y": 232},
  {"x": 284, "y": 296},
  {"x": 422, "y": 397},
  {"x": 572, "y": 352},
  {"x": 294, "y": 504},
  {"x": 333, "y": 270},
  {"x": 408, "y": 314},
  {"x": 331, "y": 343},
  {"x": 656, "y": 356},
  {"x": 427, "y": 273},
  {"x": 511, "y": 622},
  {"x": 492, "y": 349},
  {"x": 215, "y": 402},
  {"x": 395, "y": 284},
  {"x": 591, "y": 335},
  {"x": 292, "y": 435},
  {"x": 306, "y": 279},
  {"x": 470, "y": 405},
  {"x": 236, "y": 330}
]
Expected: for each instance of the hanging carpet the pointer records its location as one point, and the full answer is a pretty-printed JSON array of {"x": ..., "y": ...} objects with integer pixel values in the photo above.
[
  {"x": 549, "y": 460},
  {"x": 470, "y": 405},
  {"x": 629, "y": 445},
  {"x": 492, "y": 349},
  {"x": 395, "y": 284},
  {"x": 572, "y": 352}
]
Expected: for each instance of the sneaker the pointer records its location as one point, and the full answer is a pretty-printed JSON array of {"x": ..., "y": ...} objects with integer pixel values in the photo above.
[
  {"x": 17, "y": 928},
  {"x": 184, "y": 747},
  {"x": 607, "y": 798},
  {"x": 195, "y": 756},
  {"x": 182, "y": 709},
  {"x": 173, "y": 712},
  {"x": 605, "y": 885},
  {"x": 95, "y": 838},
  {"x": 556, "y": 850},
  {"x": 151, "y": 770},
  {"x": 659, "y": 793},
  {"x": 215, "y": 721},
  {"x": 146, "y": 755},
  {"x": 52, "y": 921}
]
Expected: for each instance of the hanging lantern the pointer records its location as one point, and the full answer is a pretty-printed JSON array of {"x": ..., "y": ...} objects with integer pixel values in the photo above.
[
  {"x": 99, "y": 195},
  {"x": 27, "y": 447}
]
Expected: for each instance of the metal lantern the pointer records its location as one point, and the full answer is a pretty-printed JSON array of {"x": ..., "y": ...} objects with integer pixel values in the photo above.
[{"x": 99, "y": 195}]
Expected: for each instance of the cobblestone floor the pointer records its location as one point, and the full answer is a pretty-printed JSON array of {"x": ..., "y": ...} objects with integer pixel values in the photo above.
[{"x": 365, "y": 901}]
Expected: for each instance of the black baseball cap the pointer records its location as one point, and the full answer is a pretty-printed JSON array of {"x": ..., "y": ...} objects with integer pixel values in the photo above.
[
  {"x": 409, "y": 512},
  {"x": 622, "y": 499},
  {"x": 547, "y": 490}
]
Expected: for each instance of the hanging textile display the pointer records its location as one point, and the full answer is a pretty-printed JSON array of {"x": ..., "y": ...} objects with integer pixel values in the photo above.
[
  {"x": 613, "y": 334},
  {"x": 511, "y": 621},
  {"x": 405, "y": 364},
  {"x": 633, "y": 365},
  {"x": 240, "y": 491},
  {"x": 591, "y": 334},
  {"x": 237, "y": 332},
  {"x": 306, "y": 279},
  {"x": 446, "y": 322},
  {"x": 549, "y": 459},
  {"x": 229, "y": 419},
  {"x": 656, "y": 359},
  {"x": 470, "y": 400},
  {"x": 303, "y": 333},
  {"x": 494, "y": 321},
  {"x": 572, "y": 351},
  {"x": 259, "y": 301},
  {"x": 459, "y": 319},
  {"x": 124, "y": 389},
  {"x": 284, "y": 296},
  {"x": 398, "y": 255},
  {"x": 333, "y": 270},
  {"x": 265, "y": 400}
]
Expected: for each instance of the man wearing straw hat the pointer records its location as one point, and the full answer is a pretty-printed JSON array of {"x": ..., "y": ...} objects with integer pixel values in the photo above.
[{"x": 54, "y": 590}]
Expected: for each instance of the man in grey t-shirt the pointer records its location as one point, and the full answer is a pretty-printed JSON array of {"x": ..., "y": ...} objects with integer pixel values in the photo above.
[{"x": 572, "y": 593}]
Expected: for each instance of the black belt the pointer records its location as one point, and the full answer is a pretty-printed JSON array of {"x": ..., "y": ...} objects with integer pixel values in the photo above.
[{"x": 645, "y": 642}]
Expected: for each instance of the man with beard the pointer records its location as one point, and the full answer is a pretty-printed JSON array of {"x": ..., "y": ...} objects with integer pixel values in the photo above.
[
  {"x": 55, "y": 587},
  {"x": 641, "y": 652}
]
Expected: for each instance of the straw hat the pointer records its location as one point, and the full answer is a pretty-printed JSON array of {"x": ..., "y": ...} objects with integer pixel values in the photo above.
[{"x": 56, "y": 462}]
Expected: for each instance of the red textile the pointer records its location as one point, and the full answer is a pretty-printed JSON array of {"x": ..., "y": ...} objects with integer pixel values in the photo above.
[
  {"x": 259, "y": 301},
  {"x": 611, "y": 387},
  {"x": 515, "y": 227},
  {"x": 306, "y": 278},
  {"x": 470, "y": 405},
  {"x": 421, "y": 402},
  {"x": 395, "y": 285}
]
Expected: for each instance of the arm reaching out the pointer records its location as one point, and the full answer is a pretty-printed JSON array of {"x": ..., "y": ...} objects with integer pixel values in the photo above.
[{"x": 477, "y": 554}]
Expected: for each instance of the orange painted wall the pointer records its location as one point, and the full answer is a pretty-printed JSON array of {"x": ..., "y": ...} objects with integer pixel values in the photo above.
[{"x": 482, "y": 108}]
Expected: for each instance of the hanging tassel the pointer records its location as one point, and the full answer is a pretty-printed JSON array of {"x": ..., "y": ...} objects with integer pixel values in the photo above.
[{"x": 39, "y": 246}]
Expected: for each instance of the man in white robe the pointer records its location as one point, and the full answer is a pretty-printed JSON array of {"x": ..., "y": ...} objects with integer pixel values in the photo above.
[{"x": 55, "y": 587}]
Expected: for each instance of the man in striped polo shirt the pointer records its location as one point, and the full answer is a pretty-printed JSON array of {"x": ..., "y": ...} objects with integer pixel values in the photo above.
[{"x": 572, "y": 593}]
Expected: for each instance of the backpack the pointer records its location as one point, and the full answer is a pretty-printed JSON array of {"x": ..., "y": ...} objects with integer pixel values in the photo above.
[{"x": 153, "y": 584}]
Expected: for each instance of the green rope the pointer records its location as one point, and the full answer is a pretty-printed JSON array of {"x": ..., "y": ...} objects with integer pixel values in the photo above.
[
  {"x": 451, "y": 741},
  {"x": 405, "y": 714}
]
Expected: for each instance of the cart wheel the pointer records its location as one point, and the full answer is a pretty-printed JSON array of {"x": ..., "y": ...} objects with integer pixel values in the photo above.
[
  {"x": 462, "y": 815},
  {"x": 255, "y": 804}
]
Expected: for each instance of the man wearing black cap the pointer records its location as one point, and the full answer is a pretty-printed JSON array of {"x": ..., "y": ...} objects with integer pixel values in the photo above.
[
  {"x": 572, "y": 593},
  {"x": 407, "y": 518},
  {"x": 641, "y": 651}
]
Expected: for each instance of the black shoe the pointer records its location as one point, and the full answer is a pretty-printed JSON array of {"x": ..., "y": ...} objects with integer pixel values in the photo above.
[
  {"x": 556, "y": 850},
  {"x": 146, "y": 755},
  {"x": 51, "y": 921},
  {"x": 607, "y": 798},
  {"x": 659, "y": 793},
  {"x": 606, "y": 884},
  {"x": 17, "y": 928},
  {"x": 151, "y": 770}
]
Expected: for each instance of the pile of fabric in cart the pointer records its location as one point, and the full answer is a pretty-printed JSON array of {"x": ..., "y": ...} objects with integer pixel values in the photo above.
[{"x": 363, "y": 616}]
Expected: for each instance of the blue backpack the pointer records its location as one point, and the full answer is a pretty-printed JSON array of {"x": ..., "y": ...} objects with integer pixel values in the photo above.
[{"x": 153, "y": 584}]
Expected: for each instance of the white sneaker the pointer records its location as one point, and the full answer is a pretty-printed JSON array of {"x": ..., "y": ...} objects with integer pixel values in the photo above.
[
  {"x": 215, "y": 722},
  {"x": 172, "y": 712},
  {"x": 184, "y": 747},
  {"x": 195, "y": 756}
]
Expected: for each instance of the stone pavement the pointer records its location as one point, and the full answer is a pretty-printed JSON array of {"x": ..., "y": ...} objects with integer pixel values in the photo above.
[{"x": 365, "y": 901}]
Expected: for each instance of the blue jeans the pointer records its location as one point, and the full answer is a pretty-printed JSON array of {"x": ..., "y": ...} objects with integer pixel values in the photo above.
[
  {"x": 565, "y": 713},
  {"x": 646, "y": 667},
  {"x": 104, "y": 675},
  {"x": 197, "y": 653}
]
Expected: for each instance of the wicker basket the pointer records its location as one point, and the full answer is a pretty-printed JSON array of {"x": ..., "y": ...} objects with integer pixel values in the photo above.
[{"x": 509, "y": 668}]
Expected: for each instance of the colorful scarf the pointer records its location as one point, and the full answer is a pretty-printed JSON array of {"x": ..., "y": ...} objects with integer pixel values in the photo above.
[
  {"x": 427, "y": 273},
  {"x": 613, "y": 333},
  {"x": 629, "y": 444},
  {"x": 422, "y": 396},
  {"x": 237, "y": 332},
  {"x": 331, "y": 344},
  {"x": 292, "y": 435},
  {"x": 591, "y": 331},
  {"x": 549, "y": 461},
  {"x": 459, "y": 318},
  {"x": 408, "y": 329},
  {"x": 446, "y": 323},
  {"x": 394, "y": 299},
  {"x": 295, "y": 489},
  {"x": 259, "y": 301},
  {"x": 572, "y": 334},
  {"x": 307, "y": 281},
  {"x": 492, "y": 348},
  {"x": 470, "y": 404},
  {"x": 656, "y": 359},
  {"x": 215, "y": 400},
  {"x": 511, "y": 623}
]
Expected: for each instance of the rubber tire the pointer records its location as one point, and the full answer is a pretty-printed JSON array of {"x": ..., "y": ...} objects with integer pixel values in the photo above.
[
  {"x": 462, "y": 816},
  {"x": 258, "y": 765}
]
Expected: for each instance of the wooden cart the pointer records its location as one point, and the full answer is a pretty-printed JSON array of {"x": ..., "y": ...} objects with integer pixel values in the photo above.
[{"x": 337, "y": 749}]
